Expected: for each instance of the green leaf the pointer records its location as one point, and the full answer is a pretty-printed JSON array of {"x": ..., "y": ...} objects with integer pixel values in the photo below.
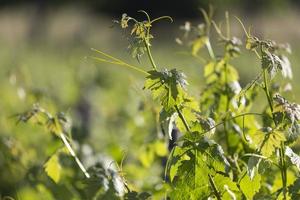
[
  {"x": 168, "y": 87},
  {"x": 251, "y": 43},
  {"x": 226, "y": 186},
  {"x": 53, "y": 168},
  {"x": 252, "y": 166},
  {"x": 295, "y": 159},
  {"x": 250, "y": 187},
  {"x": 190, "y": 169},
  {"x": 132, "y": 195},
  {"x": 191, "y": 180},
  {"x": 198, "y": 44},
  {"x": 175, "y": 159},
  {"x": 101, "y": 184},
  {"x": 277, "y": 182},
  {"x": 267, "y": 140},
  {"x": 294, "y": 189},
  {"x": 188, "y": 108},
  {"x": 54, "y": 126},
  {"x": 167, "y": 120}
]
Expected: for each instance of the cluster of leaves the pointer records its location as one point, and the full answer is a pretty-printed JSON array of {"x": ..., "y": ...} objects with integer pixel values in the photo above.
[
  {"x": 225, "y": 151},
  {"x": 99, "y": 181},
  {"x": 198, "y": 167}
]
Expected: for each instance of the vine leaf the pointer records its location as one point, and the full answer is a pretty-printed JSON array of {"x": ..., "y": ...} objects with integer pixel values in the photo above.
[
  {"x": 168, "y": 87},
  {"x": 167, "y": 122},
  {"x": 226, "y": 186},
  {"x": 250, "y": 187},
  {"x": 253, "y": 164},
  {"x": 190, "y": 170},
  {"x": 191, "y": 180},
  {"x": 268, "y": 140},
  {"x": 198, "y": 44},
  {"x": 53, "y": 168},
  {"x": 137, "y": 196},
  {"x": 295, "y": 159},
  {"x": 294, "y": 189}
]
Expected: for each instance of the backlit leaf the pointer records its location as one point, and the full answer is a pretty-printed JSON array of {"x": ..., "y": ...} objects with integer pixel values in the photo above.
[
  {"x": 198, "y": 44},
  {"x": 267, "y": 140},
  {"x": 250, "y": 187},
  {"x": 53, "y": 168}
]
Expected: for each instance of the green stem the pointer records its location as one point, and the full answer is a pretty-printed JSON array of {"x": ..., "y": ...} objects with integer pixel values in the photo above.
[
  {"x": 214, "y": 187},
  {"x": 282, "y": 146},
  {"x": 283, "y": 170},
  {"x": 123, "y": 64},
  {"x": 210, "y": 50},
  {"x": 211, "y": 181},
  {"x": 71, "y": 151},
  {"x": 226, "y": 109},
  {"x": 160, "y": 18},
  {"x": 182, "y": 119},
  {"x": 150, "y": 55},
  {"x": 266, "y": 89},
  {"x": 228, "y": 119},
  {"x": 227, "y": 24},
  {"x": 147, "y": 45}
]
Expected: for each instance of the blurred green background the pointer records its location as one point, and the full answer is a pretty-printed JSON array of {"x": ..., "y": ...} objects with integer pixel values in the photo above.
[{"x": 44, "y": 49}]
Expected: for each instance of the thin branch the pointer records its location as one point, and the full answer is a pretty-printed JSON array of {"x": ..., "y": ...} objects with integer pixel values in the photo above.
[
  {"x": 71, "y": 151},
  {"x": 116, "y": 61},
  {"x": 160, "y": 18},
  {"x": 214, "y": 187}
]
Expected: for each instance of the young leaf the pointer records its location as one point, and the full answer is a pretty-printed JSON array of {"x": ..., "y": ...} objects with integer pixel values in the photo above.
[
  {"x": 250, "y": 187},
  {"x": 178, "y": 155},
  {"x": 294, "y": 189},
  {"x": 168, "y": 87},
  {"x": 192, "y": 167},
  {"x": 226, "y": 185},
  {"x": 295, "y": 159},
  {"x": 253, "y": 164},
  {"x": 167, "y": 121},
  {"x": 53, "y": 168},
  {"x": 268, "y": 140},
  {"x": 198, "y": 44},
  {"x": 191, "y": 180}
]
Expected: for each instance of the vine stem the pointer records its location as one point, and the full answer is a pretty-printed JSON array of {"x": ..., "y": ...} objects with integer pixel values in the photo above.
[
  {"x": 147, "y": 44},
  {"x": 182, "y": 119},
  {"x": 228, "y": 119},
  {"x": 267, "y": 92},
  {"x": 123, "y": 64},
  {"x": 210, "y": 178},
  {"x": 150, "y": 55},
  {"x": 71, "y": 151},
  {"x": 210, "y": 50},
  {"x": 214, "y": 187},
  {"x": 227, "y": 108},
  {"x": 115, "y": 61},
  {"x": 282, "y": 146}
]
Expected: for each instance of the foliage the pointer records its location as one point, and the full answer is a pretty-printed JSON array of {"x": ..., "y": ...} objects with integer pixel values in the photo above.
[{"x": 222, "y": 149}]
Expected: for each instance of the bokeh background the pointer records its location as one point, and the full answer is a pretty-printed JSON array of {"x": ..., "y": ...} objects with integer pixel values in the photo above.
[{"x": 44, "y": 57}]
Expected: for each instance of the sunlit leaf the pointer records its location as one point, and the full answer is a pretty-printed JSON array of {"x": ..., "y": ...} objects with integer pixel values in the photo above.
[
  {"x": 250, "y": 187},
  {"x": 198, "y": 44},
  {"x": 53, "y": 168},
  {"x": 168, "y": 87},
  {"x": 267, "y": 140},
  {"x": 295, "y": 159}
]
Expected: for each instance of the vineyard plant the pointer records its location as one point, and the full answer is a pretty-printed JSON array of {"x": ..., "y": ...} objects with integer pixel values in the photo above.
[{"x": 228, "y": 141}]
